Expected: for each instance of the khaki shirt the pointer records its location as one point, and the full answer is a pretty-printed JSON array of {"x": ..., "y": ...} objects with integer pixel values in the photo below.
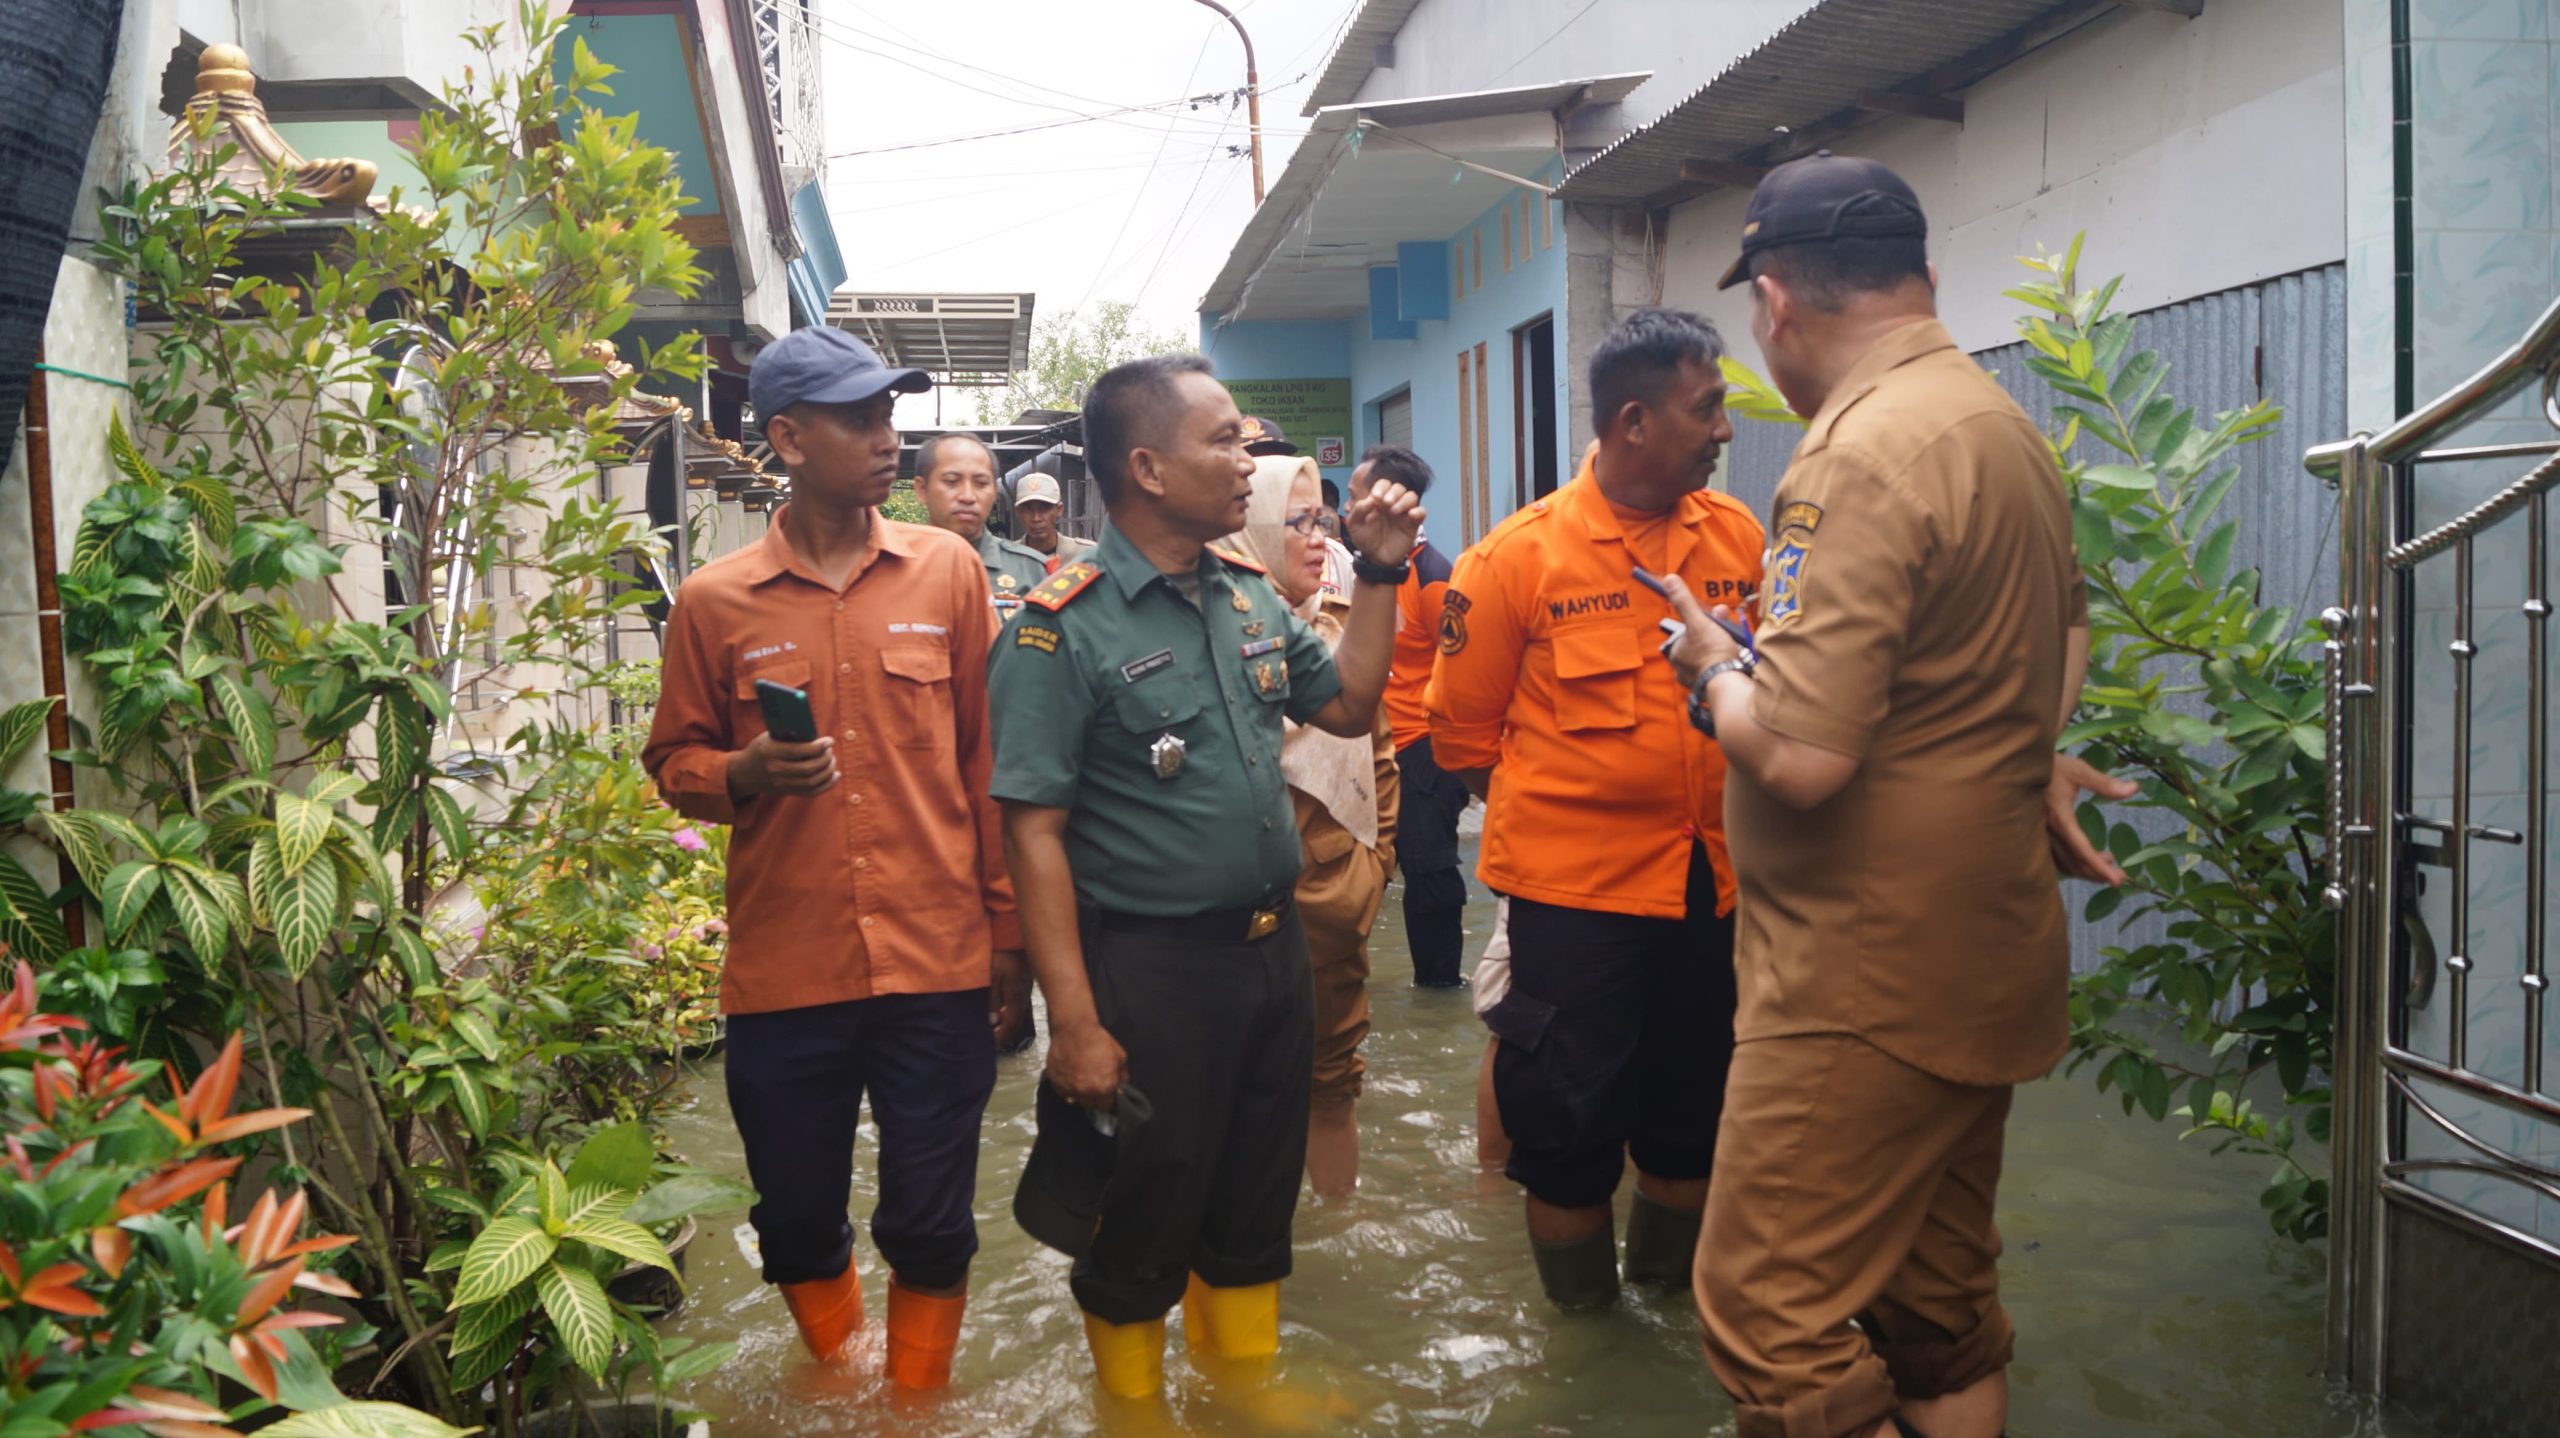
[{"x": 1921, "y": 584}]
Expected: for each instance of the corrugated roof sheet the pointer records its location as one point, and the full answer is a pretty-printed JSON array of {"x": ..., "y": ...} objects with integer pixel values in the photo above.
[
  {"x": 1354, "y": 55},
  {"x": 1815, "y": 69}
]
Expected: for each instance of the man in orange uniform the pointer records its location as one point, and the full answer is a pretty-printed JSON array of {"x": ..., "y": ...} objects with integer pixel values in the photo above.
[
  {"x": 869, "y": 908},
  {"x": 1430, "y": 801},
  {"x": 1604, "y": 824}
]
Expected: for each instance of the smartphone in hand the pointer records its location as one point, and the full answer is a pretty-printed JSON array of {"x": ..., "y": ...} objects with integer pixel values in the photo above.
[
  {"x": 786, "y": 712},
  {"x": 1662, "y": 586}
]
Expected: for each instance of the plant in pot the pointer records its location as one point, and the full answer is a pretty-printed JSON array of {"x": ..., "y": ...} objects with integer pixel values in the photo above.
[
  {"x": 128, "y": 1295},
  {"x": 535, "y": 1303}
]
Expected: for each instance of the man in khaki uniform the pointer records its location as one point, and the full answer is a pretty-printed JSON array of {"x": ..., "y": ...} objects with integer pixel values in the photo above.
[{"x": 1901, "y": 954}]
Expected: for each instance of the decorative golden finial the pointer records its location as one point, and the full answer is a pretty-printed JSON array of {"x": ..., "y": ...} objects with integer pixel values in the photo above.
[
  {"x": 224, "y": 70},
  {"x": 226, "y": 87}
]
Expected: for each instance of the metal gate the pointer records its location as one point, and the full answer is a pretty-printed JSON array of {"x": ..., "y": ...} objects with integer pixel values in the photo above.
[{"x": 2444, "y": 1289}]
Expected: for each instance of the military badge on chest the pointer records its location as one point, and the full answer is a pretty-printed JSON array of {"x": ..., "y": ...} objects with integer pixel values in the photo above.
[
  {"x": 1270, "y": 672},
  {"x": 1167, "y": 755}
]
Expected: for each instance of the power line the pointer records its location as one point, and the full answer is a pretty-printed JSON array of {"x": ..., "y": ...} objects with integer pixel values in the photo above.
[
  {"x": 1131, "y": 211},
  {"x": 1171, "y": 243},
  {"x": 985, "y": 235},
  {"x": 826, "y": 30}
]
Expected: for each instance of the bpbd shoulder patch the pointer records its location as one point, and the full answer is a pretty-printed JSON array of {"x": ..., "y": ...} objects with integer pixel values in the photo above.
[
  {"x": 1053, "y": 592},
  {"x": 1453, "y": 621}
]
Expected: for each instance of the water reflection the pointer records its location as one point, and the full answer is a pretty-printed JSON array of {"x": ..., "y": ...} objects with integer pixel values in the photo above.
[{"x": 2150, "y": 1297}]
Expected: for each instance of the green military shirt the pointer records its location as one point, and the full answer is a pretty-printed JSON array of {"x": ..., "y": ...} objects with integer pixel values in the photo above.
[
  {"x": 1012, "y": 569},
  {"x": 1157, "y": 725}
]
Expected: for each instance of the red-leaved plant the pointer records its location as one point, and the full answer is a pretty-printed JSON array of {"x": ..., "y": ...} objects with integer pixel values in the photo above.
[{"x": 125, "y": 1289}]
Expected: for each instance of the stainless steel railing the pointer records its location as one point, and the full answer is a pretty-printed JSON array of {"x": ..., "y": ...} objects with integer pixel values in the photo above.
[{"x": 2370, "y": 843}]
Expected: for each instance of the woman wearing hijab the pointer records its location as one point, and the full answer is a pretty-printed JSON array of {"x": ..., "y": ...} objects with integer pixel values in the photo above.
[{"x": 1345, "y": 794}]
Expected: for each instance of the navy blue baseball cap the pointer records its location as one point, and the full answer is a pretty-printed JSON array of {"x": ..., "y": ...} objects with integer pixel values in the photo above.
[
  {"x": 1825, "y": 197},
  {"x": 823, "y": 365}
]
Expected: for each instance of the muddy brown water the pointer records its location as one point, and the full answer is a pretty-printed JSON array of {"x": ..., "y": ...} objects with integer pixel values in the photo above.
[{"x": 2150, "y": 1296}]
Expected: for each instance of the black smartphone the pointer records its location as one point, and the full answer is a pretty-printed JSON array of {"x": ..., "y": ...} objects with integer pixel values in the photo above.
[
  {"x": 786, "y": 712},
  {"x": 1662, "y": 586}
]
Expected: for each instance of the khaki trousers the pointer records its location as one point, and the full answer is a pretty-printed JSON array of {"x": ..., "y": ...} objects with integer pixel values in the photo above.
[{"x": 1849, "y": 1258}]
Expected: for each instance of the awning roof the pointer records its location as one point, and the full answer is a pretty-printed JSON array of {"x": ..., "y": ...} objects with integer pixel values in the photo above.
[
  {"x": 1355, "y": 55},
  {"x": 959, "y": 339},
  {"x": 1840, "y": 64},
  {"x": 1368, "y": 176}
]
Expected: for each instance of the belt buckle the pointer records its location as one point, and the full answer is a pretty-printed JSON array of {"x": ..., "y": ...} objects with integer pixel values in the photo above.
[{"x": 1264, "y": 924}]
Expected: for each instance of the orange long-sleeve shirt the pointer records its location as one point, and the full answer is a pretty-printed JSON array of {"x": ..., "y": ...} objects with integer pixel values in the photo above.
[
  {"x": 893, "y": 881},
  {"x": 1550, "y": 675},
  {"x": 1418, "y": 602}
]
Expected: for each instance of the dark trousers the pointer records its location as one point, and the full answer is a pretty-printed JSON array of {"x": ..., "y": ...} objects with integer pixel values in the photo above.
[
  {"x": 1221, "y": 1040},
  {"x": 1435, "y": 892},
  {"x": 797, "y": 1078},
  {"x": 1616, "y": 1035}
]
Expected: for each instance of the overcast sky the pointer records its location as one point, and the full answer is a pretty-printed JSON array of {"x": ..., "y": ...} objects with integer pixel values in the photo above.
[{"x": 1138, "y": 206}]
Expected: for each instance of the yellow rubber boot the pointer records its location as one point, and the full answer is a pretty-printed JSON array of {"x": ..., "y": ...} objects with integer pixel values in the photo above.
[
  {"x": 1128, "y": 1358},
  {"x": 1231, "y": 1322}
]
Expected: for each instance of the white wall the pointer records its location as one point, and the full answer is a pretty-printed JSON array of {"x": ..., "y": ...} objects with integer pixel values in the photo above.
[
  {"x": 2198, "y": 155},
  {"x": 1453, "y": 45}
]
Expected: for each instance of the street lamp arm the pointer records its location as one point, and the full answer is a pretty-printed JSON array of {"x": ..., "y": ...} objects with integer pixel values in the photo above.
[{"x": 1252, "y": 94}]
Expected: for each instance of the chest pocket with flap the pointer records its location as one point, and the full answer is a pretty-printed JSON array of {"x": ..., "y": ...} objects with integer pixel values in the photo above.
[
  {"x": 1159, "y": 702},
  {"x": 748, "y": 719},
  {"x": 1596, "y": 671},
  {"x": 919, "y": 694}
]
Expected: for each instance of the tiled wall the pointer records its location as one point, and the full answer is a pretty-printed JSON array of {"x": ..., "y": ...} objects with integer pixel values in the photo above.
[
  {"x": 2484, "y": 260},
  {"x": 84, "y": 331}
]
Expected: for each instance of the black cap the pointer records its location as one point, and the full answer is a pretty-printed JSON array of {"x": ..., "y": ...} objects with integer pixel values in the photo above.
[
  {"x": 1262, "y": 437},
  {"x": 823, "y": 365},
  {"x": 1825, "y": 197}
]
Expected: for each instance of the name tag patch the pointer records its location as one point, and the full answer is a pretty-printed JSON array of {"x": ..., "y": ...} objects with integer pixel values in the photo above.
[{"x": 1137, "y": 669}]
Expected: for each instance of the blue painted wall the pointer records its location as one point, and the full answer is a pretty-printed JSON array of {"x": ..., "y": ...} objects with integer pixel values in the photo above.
[{"x": 1428, "y": 363}]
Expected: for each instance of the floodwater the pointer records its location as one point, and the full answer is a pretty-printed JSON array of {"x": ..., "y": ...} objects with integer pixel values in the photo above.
[{"x": 2150, "y": 1296}]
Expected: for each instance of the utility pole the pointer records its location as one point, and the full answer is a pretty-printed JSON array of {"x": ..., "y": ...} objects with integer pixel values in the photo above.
[{"x": 1252, "y": 95}]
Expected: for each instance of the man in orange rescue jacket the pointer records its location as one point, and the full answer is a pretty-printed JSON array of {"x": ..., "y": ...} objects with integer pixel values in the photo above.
[{"x": 1605, "y": 822}]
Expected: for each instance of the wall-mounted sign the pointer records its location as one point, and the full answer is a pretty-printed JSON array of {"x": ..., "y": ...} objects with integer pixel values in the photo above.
[{"x": 1314, "y": 413}]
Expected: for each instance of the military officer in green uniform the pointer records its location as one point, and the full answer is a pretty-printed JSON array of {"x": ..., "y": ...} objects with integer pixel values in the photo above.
[
  {"x": 956, "y": 479},
  {"x": 1138, "y": 703}
]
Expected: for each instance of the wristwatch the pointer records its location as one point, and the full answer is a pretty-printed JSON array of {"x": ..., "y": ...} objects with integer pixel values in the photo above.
[
  {"x": 1701, "y": 715},
  {"x": 1365, "y": 568}
]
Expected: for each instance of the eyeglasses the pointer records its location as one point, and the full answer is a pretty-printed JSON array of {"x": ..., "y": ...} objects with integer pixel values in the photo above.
[{"x": 1308, "y": 525}]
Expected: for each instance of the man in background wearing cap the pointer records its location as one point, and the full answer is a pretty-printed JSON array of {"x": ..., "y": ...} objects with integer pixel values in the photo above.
[
  {"x": 956, "y": 479},
  {"x": 1920, "y": 642},
  {"x": 873, "y": 943},
  {"x": 1036, "y": 505}
]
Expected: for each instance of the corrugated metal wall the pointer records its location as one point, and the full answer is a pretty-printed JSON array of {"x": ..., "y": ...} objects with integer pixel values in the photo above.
[{"x": 2284, "y": 339}]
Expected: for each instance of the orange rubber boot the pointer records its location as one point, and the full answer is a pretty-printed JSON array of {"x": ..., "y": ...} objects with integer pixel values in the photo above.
[
  {"x": 923, "y": 1333},
  {"x": 829, "y": 1312}
]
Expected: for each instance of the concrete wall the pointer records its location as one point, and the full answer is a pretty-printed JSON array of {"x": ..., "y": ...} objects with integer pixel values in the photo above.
[
  {"x": 326, "y": 59},
  {"x": 2198, "y": 155}
]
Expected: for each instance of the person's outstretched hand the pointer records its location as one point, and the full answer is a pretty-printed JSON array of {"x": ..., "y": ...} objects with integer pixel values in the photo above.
[
  {"x": 2073, "y": 854},
  {"x": 1705, "y": 643}
]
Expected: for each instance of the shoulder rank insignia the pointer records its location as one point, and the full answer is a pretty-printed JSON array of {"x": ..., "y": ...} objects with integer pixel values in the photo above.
[
  {"x": 1238, "y": 560},
  {"x": 1053, "y": 592}
]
